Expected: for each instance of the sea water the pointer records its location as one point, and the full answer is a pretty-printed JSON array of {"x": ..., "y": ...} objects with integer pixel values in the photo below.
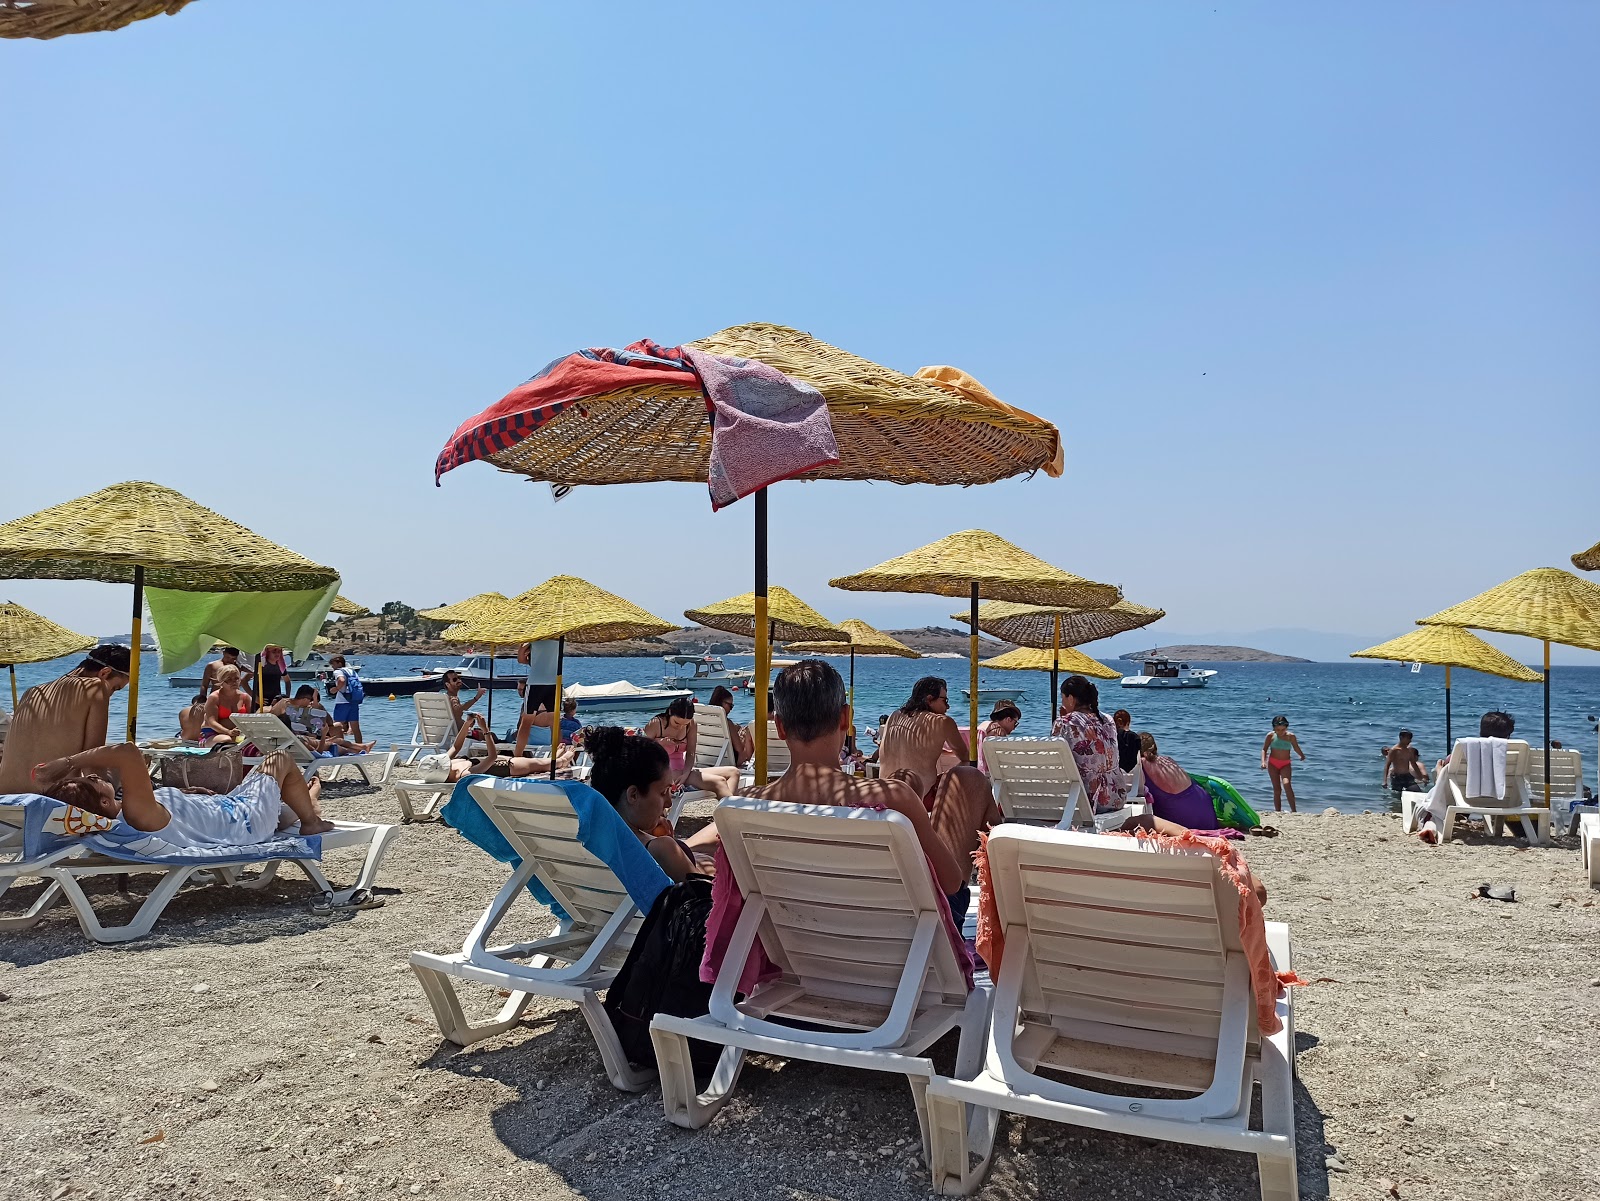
[{"x": 1343, "y": 713}]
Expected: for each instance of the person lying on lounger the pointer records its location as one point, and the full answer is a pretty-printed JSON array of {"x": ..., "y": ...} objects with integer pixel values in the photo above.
[
  {"x": 813, "y": 720},
  {"x": 268, "y": 801},
  {"x": 309, "y": 722},
  {"x": 493, "y": 763}
]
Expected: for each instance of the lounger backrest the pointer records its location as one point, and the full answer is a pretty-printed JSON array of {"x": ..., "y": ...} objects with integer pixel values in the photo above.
[
  {"x": 436, "y": 723},
  {"x": 1566, "y": 772},
  {"x": 269, "y": 734},
  {"x": 1126, "y": 940},
  {"x": 1518, "y": 758},
  {"x": 539, "y": 822},
  {"x": 845, "y": 889},
  {"x": 1036, "y": 779},
  {"x": 711, "y": 736}
]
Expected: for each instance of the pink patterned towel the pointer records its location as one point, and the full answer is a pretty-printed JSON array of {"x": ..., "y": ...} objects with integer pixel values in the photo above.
[{"x": 765, "y": 426}]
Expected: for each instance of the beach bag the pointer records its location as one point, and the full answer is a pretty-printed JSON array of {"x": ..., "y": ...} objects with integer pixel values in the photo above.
[
  {"x": 220, "y": 770},
  {"x": 354, "y": 691},
  {"x": 662, "y": 974}
]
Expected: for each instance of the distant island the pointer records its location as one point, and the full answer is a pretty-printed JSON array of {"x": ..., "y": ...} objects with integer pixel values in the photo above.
[{"x": 1211, "y": 654}]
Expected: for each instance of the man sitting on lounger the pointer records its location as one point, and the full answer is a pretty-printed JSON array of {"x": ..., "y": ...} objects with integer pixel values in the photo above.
[
  {"x": 309, "y": 722},
  {"x": 813, "y": 718},
  {"x": 62, "y": 716},
  {"x": 270, "y": 799}
]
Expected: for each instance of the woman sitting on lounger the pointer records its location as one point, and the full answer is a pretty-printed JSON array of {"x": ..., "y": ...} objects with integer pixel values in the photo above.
[
  {"x": 674, "y": 730},
  {"x": 739, "y": 737},
  {"x": 1174, "y": 796},
  {"x": 634, "y": 773},
  {"x": 221, "y": 705}
]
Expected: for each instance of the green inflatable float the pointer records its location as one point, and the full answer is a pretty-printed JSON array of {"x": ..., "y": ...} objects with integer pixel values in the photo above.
[{"x": 1233, "y": 811}]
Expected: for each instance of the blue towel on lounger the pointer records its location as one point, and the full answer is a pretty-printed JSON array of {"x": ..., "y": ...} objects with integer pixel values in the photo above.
[
  {"x": 41, "y": 835},
  {"x": 601, "y": 831}
]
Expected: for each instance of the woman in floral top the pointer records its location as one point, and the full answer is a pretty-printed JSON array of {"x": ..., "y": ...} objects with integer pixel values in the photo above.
[{"x": 1093, "y": 739}]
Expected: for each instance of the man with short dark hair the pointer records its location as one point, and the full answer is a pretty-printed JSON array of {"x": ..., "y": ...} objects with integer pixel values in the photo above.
[
  {"x": 1403, "y": 768},
  {"x": 212, "y": 675},
  {"x": 812, "y": 715},
  {"x": 1493, "y": 724},
  {"x": 63, "y": 716}
]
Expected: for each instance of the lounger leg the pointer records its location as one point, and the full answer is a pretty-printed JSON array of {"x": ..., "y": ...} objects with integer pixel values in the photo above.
[
  {"x": 952, "y": 1141},
  {"x": 1279, "y": 1177},
  {"x": 267, "y": 874},
  {"x": 142, "y": 921},
  {"x": 382, "y": 836},
  {"x": 48, "y": 899},
  {"x": 1449, "y": 830},
  {"x": 685, "y": 1107},
  {"x": 622, "y": 1074},
  {"x": 453, "y": 1024}
]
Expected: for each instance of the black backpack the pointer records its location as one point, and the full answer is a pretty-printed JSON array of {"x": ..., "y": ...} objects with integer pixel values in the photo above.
[{"x": 662, "y": 973}]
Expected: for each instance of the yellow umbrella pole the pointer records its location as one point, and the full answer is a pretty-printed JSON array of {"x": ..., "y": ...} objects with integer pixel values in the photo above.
[
  {"x": 972, "y": 730},
  {"x": 1055, "y": 671},
  {"x": 763, "y": 645},
  {"x": 555, "y": 714},
  {"x": 1448, "y": 741},
  {"x": 133, "y": 653}
]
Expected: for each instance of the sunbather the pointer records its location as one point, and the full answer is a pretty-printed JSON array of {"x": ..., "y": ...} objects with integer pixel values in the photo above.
[
  {"x": 309, "y": 722},
  {"x": 225, "y": 700},
  {"x": 634, "y": 773},
  {"x": 63, "y": 716},
  {"x": 1493, "y": 724},
  {"x": 452, "y": 689},
  {"x": 674, "y": 729},
  {"x": 813, "y": 720},
  {"x": 1174, "y": 796},
  {"x": 270, "y": 799},
  {"x": 739, "y": 737},
  {"x": 492, "y": 762},
  {"x": 915, "y": 737},
  {"x": 191, "y": 718}
]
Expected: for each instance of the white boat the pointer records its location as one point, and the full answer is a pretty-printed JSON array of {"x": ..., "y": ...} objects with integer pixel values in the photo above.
[
  {"x": 708, "y": 671},
  {"x": 474, "y": 669},
  {"x": 990, "y": 696},
  {"x": 1163, "y": 673},
  {"x": 621, "y": 694},
  {"x": 302, "y": 671}
]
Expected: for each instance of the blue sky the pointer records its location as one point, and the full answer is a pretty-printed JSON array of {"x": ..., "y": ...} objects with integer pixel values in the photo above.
[{"x": 1310, "y": 289}]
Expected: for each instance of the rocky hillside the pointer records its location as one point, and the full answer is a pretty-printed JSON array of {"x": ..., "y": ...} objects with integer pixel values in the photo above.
[{"x": 1211, "y": 654}]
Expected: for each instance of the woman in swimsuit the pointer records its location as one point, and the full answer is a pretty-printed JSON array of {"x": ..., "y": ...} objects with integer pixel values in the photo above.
[
  {"x": 635, "y": 774},
  {"x": 674, "y": 730},
  {"x": 221, "y": 705},
  {"x": 739, "y": 737},
  {"x": 1275, "y": 761}
]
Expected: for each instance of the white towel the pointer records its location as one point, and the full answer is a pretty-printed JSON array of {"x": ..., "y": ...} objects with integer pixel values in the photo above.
[{"x": 1486, "y": 767}]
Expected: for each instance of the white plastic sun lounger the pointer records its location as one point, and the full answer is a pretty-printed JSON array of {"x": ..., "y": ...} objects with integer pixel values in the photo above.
[
  {"x": 1122, "y": 963},
  {"x": 67, "y": 866},
  {"x": 842, "y": 900},
  {"x": 1566, "y": 784},
  {"x": 1589, "y": 846},
  {"x": 1518, "y": 802},
  {"x": 712, "y": 746},
  {"x": 269, "y": 734},
  {"x": 1036, "y": 780},
  {"x": 435, "y": 731},
  {"x": 575, "y": 963}
]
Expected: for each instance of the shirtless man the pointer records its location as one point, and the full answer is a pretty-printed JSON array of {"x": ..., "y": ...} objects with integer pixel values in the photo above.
[
  {"x": 309, "y": 722},
  {"x": 452, "y": 689},
  {"x": 813, "y": 719},
  {"x": 192, "y": 718},
  {"x": 914, "y": 738},
  {"x": 212, "y": 676},
  {"x": 221, "y": 705},
  {"x": 62, "y": 717},
  {"x": 1403, "y": 768},
  {"x": 269, "y": 800}
]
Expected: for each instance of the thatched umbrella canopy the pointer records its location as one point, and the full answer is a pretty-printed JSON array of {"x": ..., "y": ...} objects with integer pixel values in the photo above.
[
  {"x": 1588, "y": 560},
  {"x": 939, "y": 426},
  {"x": 26, "y": 637},
  {"x": 864, "y": 640},
  {"x": 787, "y": 618},
  {"x": 979, "y": 565},
  {"x": 1066, "y": 658},
  {"x": 194, "y": 562},
  {"x": 53, "y": 18},
  {"x": 1447, "y": 647},
  {"x": 345, "y": 607}
]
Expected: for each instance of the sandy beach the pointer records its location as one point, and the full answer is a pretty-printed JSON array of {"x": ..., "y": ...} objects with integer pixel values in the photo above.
[{"x": 249, "y": 1048}]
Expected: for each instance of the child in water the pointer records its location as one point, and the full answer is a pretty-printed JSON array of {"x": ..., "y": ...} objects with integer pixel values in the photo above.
[{"x": 1275, "y": 761}]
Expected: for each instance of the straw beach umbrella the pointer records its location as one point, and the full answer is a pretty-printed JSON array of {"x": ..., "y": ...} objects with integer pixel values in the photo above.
[
  {"x": 979, "y": 565},
  {"x": 466, "y": 610},
  {"x": 1045, "y": 627},
  {"x": 864, "y": 640},
  {"x": 1546, "y": 603},
  {"x": 25, "y": 637},
  {"x": 937, "y": 427},
  {"x": 562, "y": 609},
  {"x": 1029, "y": 658},
  {"x": 1447, "y": 647},
  {"x": 345, "y": 607},
  {"x": 195, "y": 563},
  {"x": 787, "y": 618},
  {"x": 54, "y": 18},
  {"x": 1588, "y": 560}
]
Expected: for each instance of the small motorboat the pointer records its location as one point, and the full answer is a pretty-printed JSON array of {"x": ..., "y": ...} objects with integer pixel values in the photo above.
[
  {"x": 620, "y": 694},
  {"x": 474, "y": 669},
  {"x": 1163, "y": 673},
  {"x": 378, "y": 687},
  {"x": 991, "y": 696},
  {"x": 708, "y": 672}
]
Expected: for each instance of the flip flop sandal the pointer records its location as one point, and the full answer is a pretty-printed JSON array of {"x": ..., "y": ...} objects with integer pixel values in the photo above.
[
  {"x": 1264, "y": 831},
  {"x": 362, "y": 898},
  {"x": 323, "y": 905}
]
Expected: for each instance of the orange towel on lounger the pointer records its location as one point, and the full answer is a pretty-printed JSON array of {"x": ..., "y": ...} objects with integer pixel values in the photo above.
[{"x": 1265, "y": 981}]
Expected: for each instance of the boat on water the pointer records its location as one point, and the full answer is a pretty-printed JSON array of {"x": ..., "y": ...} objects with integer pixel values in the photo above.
[
  {"x": 302, "y": 671},
  {"x": 474, "y": 669},
  {"x": 382, "y": 686},
  {"x": 1163, "y": 673},
  {"x": 621, "y": 694},
  {"x": 706, "y": 672},
  {"x": 991, "y": 696}
]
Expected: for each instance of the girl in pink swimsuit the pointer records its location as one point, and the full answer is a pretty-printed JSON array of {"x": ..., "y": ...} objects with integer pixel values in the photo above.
[
  {"x": 674, "y": 730},
  {"x": 1275, "y": 759}
]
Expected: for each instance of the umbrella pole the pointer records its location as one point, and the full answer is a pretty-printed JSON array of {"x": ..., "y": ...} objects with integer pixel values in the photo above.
[
  {"x": 133, "y": 653},
  {"x": 972, "y": 730},
  {"x": 491, "y": 688},
  {"x": 13, "y": 668},
  {"x": 1547, "y": 724},
  {"x": 555, "y": 714},
  {"x": 852, "y": 713},
  {"x": 1055, "y": 671},
  {"x": 1448, "y": 743},
  {"x": 763, "y": 646}
]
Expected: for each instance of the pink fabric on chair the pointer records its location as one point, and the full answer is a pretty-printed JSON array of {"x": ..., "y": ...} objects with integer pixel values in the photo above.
[{"x": 765, "y": 425}]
